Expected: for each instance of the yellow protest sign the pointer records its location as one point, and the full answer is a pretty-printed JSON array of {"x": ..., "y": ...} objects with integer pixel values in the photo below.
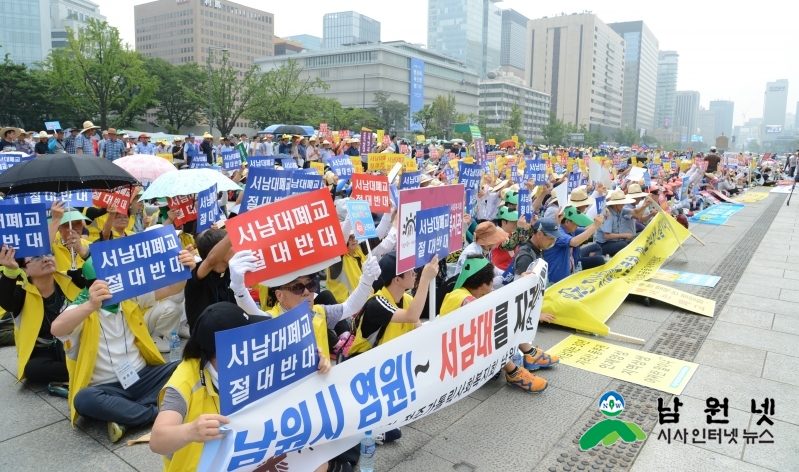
[
  {"x": 515, "y": 139},
  {"x": 675, "y": 297},
  {"x": 356, "y": 161},
  {"x": 410, "y": 165},
  {"x": 380, "y": 134},
  {"x": 586, "y": 300},
  {"x": 357, "y": 167},
  {"x": 631, "y": 365},
  {"x": 667, "y": 167},
  {"x": 376, "y": 161},
  {"x": 165, "y": 156},
  {"x": 492, "y": 142},
  {"x": 750, "y": 197},
  {"x": 420, "y": 138},
  {"x": 392, "y": 159},
  {"x": 319, "y": 167},
  {"x": 453, "y": 163}
]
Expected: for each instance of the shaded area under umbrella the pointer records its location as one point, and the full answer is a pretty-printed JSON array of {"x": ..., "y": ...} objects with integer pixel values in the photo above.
[{"x": 61, "y": 172}]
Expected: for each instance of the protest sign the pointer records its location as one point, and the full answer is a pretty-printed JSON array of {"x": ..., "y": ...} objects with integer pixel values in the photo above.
[
  {"x": 265, "y": 185},
  {"x": 139, "y": 264},
  {"x": 70, "y": 198},
  {"x": 384, "y": 388},
  {"x": 721, "y": 196},
  {"x": 361, "y": 219},
  {"x": 717, "y": 214},
  {"x": 24, "y": 228},
  {"x": 586, "y": 300},
  {"x": 750, "y": 197},
  {"x": 470, "y": 175},
  {"x": 410, "y": 180},
  {"x": 10, "y": 159},
  {"x": 526, "y": 205},
  {"x": 260, "y": 359},
  {"x": 432, "y": 234},
  {"x": 319, "y": 167},
  {"x": 573, "y": 181},
  {"x": 242, "y": 150},
  {"x": 662, "y": 373},
  {"x": 480, "y": 150},
  {"x": 184, "y": 207},
  {"x": 341, "y": 166},
  {"x": 289, "y": 235},
  {"x": 536, "y": 169},
  {"x": 562, "y": 194},
  {"x": 119, "y": 197},
  {"x": 688, "y": 278},
  {"x": 208, "y": 212},
  {"x": 404, "y": 149},
  {"x": 392, "y": 160},
  {"x": 376, "y": 161},
  {"x": 415, "y": 200},
  {"x": 260, "y": 162},
  {"x": 449, "y": 174},
  {"x": 678, "y": 298},
  {"x": 357, "y": 164},
  {"x": 410, "y": 165},
  {"x": 302, "y": 182},
  {"x": 289, "y": 164},
  {"x": 199, "y": 163},
  {"x": 52, "y": 125},
  {"x": 471, "y": 202},
  {"x": 373, "y": 189},
  {"x": 367, "y": 142},
  {"x": 231, "y": 160}
]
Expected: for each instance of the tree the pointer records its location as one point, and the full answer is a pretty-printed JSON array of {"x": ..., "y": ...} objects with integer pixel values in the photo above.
[
  {"x": 626, "y": 136},
  {"x": 753, "y": 146},
  {"x": 592, "y": 138},
  {"x": 390, "y": 112},
  {"x": 514, "y": 122},
  {"x": 234, "y": 95},
  {"x": 179, "y": 95},
  {"x": 554, "y": 132},
  {"x": 444, "y": 113},
  {"x": 100, "y": 77},
  {"x": 424, "y": 118}
]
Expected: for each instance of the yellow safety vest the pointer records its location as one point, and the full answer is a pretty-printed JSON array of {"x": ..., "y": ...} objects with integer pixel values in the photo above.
[
  {"x": 96, "y": 227},
  {"x": 351, "y": 270},
  {"x": 393, "y": 330},
  {"x": 319, "y": 326},
  {"x": 63, "y": 259},
  {"x": 81, "y": 369},
  {"x": 200, "y": 400},
  {"x": 31, "y": 317},
  {"x": 453, "y": 300}
]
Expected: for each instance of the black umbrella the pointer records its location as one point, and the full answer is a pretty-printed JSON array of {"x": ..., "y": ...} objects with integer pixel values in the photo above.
[
  {"x": 290, "y": 129},
  {"x": 60, "y": 172}
]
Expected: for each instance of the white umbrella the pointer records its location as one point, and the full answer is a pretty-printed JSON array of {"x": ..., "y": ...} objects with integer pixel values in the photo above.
[{"x": 188, "y": 182}]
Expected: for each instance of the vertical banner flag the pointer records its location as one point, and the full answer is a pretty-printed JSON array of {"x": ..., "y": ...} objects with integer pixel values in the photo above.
[
  {"x": 264, "y": 186},
  {"x": 231, "y": 160},
  {"x": 119, "y": 197},
  {"x": 257, "y": 360},
  {"x": 367, "y": 141},
  {"x": 410, "y": 180},
  {"x": 526, "y": 205},
  {"x": 361, "y": 218},
  {"x": 208, "y": 213},
  {"x": 24, "y": 228},
  {"x": 416, "y": 92},
  {"x": 373, "y": 189},
  {"x": 302, "y": 182},
  {"x": 185, "y": 208},
  {"x": 470, "y": 175},
  {"x": 242, "y": 150},
  {"x": 341, "y": 166},
  {"x": 139, "y": 264},
  {"x": 289, "y": 234},
  {"x": 260, "y": 161},
  {"x": 415, "y": 200},
  {"x": 432, "y": 234},
  {"x": 480, "y": 150},
  {"x": 471, "y": 201}
]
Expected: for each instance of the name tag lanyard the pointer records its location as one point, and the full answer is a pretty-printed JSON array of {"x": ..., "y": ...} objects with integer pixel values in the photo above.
[{"x": 125, "y": 372}]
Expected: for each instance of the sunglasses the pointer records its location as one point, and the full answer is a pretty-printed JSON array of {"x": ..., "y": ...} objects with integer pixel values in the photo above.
[
  {"x": 40, "y": 258},
  {"x": 299, "y": 287}
]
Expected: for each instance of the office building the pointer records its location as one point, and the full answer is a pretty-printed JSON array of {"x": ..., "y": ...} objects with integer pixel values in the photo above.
[
  {"x": 26, "y": 31},
  {"x": 579, "y": 61},
  {"x": 72, "y": 14},
  {"x": 775, "y": 105},
  {"x": 348, "y": 27},
  {"x": 498, "y": 93},
  {"x": 796, "y": 119},
  {"x": 410, "y": 74},
  {"x": 706, "y": 122},
  {"x": 724, "y": 123},
  {"x": 640, "y": 75},
  {"x": 512, "y": 47},
  {"x": 665, "y": 98},
  {"x": 309, "y": 42},
  {"x": 468, "y": 30},
  {"x": 686, "y": 109},
  {"x": 284, "y": 47},
  {"x": 181, "y": 31}
]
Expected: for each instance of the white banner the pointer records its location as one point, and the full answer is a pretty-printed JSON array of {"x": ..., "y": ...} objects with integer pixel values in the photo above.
[{"x": 304, "y": 425}]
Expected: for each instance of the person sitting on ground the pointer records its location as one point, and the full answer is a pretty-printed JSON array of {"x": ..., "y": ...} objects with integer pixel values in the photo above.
[
  {"x": 34, "y": 305},
  {"x": 475, "y": 281},
  {"x": 615, "y": 235},
  {"x": 189, "y": 402},
  {"x": 108, "y": 345},
  {"x": 564, "y": 257},
  {"x": 486, "y": 237}
]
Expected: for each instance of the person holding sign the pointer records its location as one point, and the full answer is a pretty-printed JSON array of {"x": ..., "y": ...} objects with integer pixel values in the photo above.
[
  {"x": 189, "y": 415},
  {"x": 66, "y": 229},
  {"x": 116, "y": 225},
  {"x": 115, "y": 369},
  {"x": 564, "y": 258},
  {"x": 614, "y": 234}
]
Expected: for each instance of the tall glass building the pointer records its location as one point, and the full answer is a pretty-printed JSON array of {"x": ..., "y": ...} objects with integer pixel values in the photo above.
[
  {"x": 468, "y": 30},
  {"x": 666, "y": 98},
  {"x": 25, "y": 31},
  {"x": 348, "y": 27},
  {"x": 514, "y": 42},
  {"x": 640, "y": 75}
]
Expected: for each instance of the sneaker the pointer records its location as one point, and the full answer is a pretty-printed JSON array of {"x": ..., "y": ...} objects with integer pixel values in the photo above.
[
  {"x": 58, "y": 389},
  {"x": 183, "y": 331},
  {"x": 526, "y": 381},
  {"x": 116, "y": 431},
  {"x": 541, "y": 360},
  {"x": 388, "y": 436},
  {"x": 162, "y": 343}
]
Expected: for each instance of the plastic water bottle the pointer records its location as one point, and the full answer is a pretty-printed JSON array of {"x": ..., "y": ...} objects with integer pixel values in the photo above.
[
  {"x": 367, "y": 462},
  {"x": 517, "y": 357},
  {"x": 174, "y": 347}
]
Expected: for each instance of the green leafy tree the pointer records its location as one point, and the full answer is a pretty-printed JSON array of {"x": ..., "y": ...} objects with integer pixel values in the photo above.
[
  {"x": 101, "y": 78},
  {"x": 234, "y": 95},
  {"x": 514, "y": 123},
  {"x": 179, "y": 96},
  {"x": 444, "y": 113},
  {"x": 392, "y": 113},
  {"x": 626, "y": 136},
  {"x": 753, "y": 146},
  {"x": 286, "y": 97},
  {"x": 424, "y": 118},
  {"x": 592, "y": 138},
  {"x": 554, "y": 132}
]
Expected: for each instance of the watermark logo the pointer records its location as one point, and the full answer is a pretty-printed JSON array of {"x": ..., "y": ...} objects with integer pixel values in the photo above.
[{"x": 609, "y": 430}]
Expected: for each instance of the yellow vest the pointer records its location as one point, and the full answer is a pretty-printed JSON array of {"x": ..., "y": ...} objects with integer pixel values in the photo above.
[
  {"x": 97, "y": 227},
  {"x": 81, "y": 370},
  {"x": 31, "y": 318},
  {"x": 199, "y": 401},
  {"x": 393, "y": 330},
  {"x": 263, "y": 296},
  {"x": 186, "y": 240},
  {"x": 347, "y": 280},
  {"x": 319, "y": 326},
  {"x": 63, "y": 260},
  {"x": 453, "y": 300}
]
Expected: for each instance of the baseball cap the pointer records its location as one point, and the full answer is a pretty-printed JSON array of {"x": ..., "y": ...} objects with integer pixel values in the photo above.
[
  {"x": 505, "y": 214},
  {"x": 512, "y": 198},
  {"x": 191, "y": 135},
  {"x": 548, "y": 226},
  {"x": 388, "y": 270},
  {"x": 571, "y": 214}
]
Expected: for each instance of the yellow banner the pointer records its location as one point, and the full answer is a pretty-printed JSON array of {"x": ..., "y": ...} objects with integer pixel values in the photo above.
[
  {"x": 376, "y": 161},
  {"x": 380, "y": 134},
  {"x": 319, "y": 167},
  {"x": 750, "y": 197},
  {"x": 678, "y": 298},
  {"x": 410, "y": 165},
  {"x": 165, "y": 156},
  {"x": 492, "y": 142},
  {"x": 586, "y": 300},
  {"x": 666, "y": 374},
  {"x": 392, "y": 159}
]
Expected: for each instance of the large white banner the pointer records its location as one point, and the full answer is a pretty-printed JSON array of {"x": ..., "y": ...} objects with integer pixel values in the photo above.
[{"x": 304, "y": 425}]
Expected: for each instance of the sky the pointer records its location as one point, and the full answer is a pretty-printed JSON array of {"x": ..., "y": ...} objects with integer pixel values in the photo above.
[{"x": 728, "y": 50}]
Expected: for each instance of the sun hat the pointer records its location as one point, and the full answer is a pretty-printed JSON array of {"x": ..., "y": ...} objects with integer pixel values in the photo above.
[
  {"x": 579, "y": 197},
  {"x": 617, "y": 197},
  {"x": 73, "y": 215},
  {"x": 207, "y": 135},
  {"x": 43, "y": 134},
  {"x": 501, "y": 184},
  {"x": 570, "y": 213},
  {"x": 488, "y": 234},
  {"x": 87, "y": 125},
  {"x": 634, "y": 191}
]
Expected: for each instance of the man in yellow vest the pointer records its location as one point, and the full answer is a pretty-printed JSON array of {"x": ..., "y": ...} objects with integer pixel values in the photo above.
[
  {"x": 66, "y": 241},
  {"x": 115, "y": 369}
]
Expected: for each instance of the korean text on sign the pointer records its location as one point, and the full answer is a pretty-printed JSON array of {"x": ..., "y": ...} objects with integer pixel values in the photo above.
[
  {"x": 410, "y": 180},
  {"x": 536, "y": 169},
  {"x": 302, "y": 182},
  {"x": 341, "y": 166},
  {"x": 24, "y": 227},
  {"x": 260, "y": 161},
  {"x": 264, "y": 186},
  {"x": 139, "y": 264},
  {"x": 525, "y": 204},
  {"x": 289, "y": 235},
  {"x": 470, "y": 175},
  {"x": 231, "y": 160},
  {"x": 432, "y": 234},
  {"x": 208, "y": 213},
  {"x": 184, "y": 207},
  {"x": 361, "y": 219},
  {"x": 256, "y": 360},
  {"x": 373, "y": 189},
  {"x": 120, "y": 198}
]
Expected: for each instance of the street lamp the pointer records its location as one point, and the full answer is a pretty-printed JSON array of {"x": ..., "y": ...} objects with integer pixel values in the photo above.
[
  {"x": 363, "y": 107},
  {"x": 211, "y": 90}
]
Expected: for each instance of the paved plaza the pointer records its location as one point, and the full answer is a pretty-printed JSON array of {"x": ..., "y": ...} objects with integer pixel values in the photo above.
[{"x": 749, "y": 350}]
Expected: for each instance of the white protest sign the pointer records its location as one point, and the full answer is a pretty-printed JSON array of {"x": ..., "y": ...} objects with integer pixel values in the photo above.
[
  {"x": 636, "y": 174},
  {"x": 562, "y": 192}
]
